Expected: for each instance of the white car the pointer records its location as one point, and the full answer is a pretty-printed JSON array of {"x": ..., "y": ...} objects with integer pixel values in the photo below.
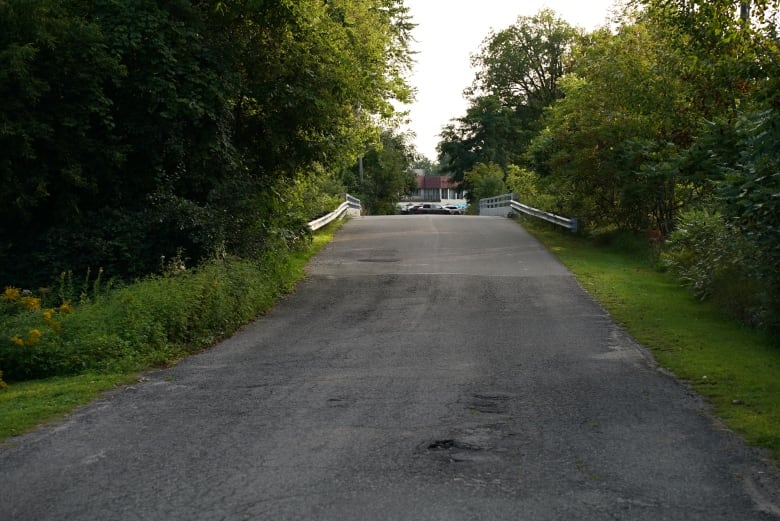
[{"x": 455, "y": 209}]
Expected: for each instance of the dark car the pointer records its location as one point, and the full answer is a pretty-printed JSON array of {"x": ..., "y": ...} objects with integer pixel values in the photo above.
[{"x": 429, "y": 208}]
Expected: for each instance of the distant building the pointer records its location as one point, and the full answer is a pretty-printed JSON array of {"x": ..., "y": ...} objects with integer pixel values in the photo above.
[{"x": 436, "y": 188}]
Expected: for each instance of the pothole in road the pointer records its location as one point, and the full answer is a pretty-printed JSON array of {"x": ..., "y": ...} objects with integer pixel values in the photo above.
[
  {"x": 458, "y": 451},
  {"x": 450, "y": 444}
]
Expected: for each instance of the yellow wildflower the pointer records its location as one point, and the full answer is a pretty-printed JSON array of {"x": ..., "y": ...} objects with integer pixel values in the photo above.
[
  {"x": 48, "y": 319},
  {"x": 11, "y": 293},
  {"x": 31, "y": 303},
  {"x": 66, "y": 307},
  {"x": 33, "y": 337},
  {"x": 16, "y": 340}
]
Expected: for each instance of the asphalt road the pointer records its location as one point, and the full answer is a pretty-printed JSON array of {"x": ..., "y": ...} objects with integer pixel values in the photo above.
[{"x": 429, "y": 368}]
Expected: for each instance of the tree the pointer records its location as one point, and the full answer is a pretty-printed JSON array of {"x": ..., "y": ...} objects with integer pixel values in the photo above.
[
  {"x": 750, "y": 197},
  {"x": 426, "y": 165},
  {"x": 304, "y": 76},
  {"x": 387, "y": 174},
  {"x": 57, "y": 144},
  {"x": 729, "y": 47},
  {"x": 483, "y": 181},
  {"x": 518, "y": 72},
  {"x": 612, "y": 141},
  {"x": 521, "y": 65},
  {"x": 132, "y": 129}
]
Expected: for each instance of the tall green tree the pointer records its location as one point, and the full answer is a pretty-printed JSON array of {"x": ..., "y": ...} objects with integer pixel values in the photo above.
[
  {"x": 57, "y": 141},
  {"x": 731, "y": 49},
  {"x": 612, "y": 140},
  {"x": 487, "y": 133},
  {"x": 305, "y": 75},
  {"x": 130, "y": 129},
  {"x": 387, "y": 170},
  {"x": 521, "y": 65},
  {"x": 518, "y": 71}
]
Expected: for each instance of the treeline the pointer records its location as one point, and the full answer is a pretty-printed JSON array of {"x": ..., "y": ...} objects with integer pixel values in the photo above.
[
  {"x": 135, "y": 131},
  {"x": 666, "y": 123}
]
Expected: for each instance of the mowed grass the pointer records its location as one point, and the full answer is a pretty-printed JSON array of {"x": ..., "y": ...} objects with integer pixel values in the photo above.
[
  {"x": 29, "y": 404},
  {"x": 734, "y": 367}
]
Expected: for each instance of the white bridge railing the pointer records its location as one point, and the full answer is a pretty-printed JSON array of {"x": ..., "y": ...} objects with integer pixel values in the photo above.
[
  {"x": 351, "y": 206},
  {"x": 505, "y": 204}
]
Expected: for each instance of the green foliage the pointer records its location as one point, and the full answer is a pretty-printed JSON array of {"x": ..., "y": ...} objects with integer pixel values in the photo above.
[
  {"x": 725, "y": 50},
  {"x": 612, "y": 142},
  {"x": 521, "y": 65},
  {"x": 518, "y": 72},
  {"x": 57, "y": 124},
  {"x": 751, "y": 188},
  {"x": 151, "y": 322},
  {"x": 131, "y": 130},
  {"x": 483, "y": 181},
  {"x": 527, "y": 187},
  {"x": 489, "y": 133},
  {"x": 717, "y": 263},
  {"x": 750, "y": 195},
  {"x": 387, "y": 174},
  {"x": 672, "y": 110}
]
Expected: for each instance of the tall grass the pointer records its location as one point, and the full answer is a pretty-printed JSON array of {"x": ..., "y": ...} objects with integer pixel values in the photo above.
[{"x": 152, "y": 322}]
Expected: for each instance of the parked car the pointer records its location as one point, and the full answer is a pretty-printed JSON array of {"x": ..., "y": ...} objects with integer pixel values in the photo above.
[
  {"x": 429, "y": 208},
  {"x": 455, "y": 209}
]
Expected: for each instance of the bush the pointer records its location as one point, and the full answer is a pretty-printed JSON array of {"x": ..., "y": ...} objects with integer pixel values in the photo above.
[
  {"x": 717, "y": 263},
  {"x": 151, "y": 322},
  {"x": 525, "y": 184},
  {"x": 750, "y": 198}
]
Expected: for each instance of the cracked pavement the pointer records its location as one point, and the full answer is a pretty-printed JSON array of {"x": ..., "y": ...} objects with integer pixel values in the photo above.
[{"x": 428, "y": 368}]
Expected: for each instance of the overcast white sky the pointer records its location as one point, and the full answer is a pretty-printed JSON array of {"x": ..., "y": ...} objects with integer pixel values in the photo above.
[{"x": 449, "y": 32}]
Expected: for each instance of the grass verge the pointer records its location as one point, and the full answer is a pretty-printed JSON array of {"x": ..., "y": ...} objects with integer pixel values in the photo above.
[
  {"x": 734, "y": 367},
  {"x": 156, "y": 315},
  {"x": 26, "y": 405}
]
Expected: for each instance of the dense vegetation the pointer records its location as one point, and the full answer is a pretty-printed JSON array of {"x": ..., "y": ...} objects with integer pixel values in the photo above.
[
  {"x": 111, "y": 334},
  {"x": 664, "y": 124},
  {"x": 140, "y": 137},
  {"x": 135, "y": 129}
]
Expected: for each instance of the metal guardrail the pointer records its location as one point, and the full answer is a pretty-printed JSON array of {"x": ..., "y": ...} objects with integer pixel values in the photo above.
[
  {"x": 351, "y": 205},
  {"x": 354, "y": 202},
  {"x": 504, "y": 204}
]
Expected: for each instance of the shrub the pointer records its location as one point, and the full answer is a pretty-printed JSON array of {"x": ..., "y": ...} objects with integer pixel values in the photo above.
[
  {"x": 151, "y": 322},
  {"x": 750, "y": 195},
  {"x": 716, "y": 262}
]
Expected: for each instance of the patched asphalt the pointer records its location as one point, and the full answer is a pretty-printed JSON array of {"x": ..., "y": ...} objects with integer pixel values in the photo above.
[{"x": 428, "y": 368}]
